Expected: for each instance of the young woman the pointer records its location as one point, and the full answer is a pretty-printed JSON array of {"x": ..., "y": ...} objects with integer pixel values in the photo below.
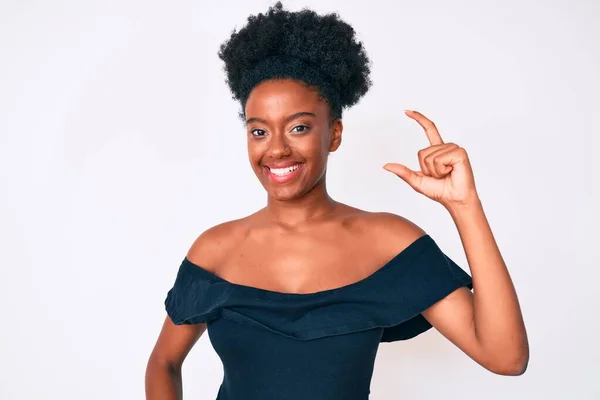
[{"x": 297, "y": 296}]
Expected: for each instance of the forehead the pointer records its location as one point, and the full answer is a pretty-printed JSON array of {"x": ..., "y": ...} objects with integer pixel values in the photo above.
[{"x": 278, "y": 98}]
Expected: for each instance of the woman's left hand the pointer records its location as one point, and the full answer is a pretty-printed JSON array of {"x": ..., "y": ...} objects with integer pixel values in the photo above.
[{"x": 446, "y": 175}]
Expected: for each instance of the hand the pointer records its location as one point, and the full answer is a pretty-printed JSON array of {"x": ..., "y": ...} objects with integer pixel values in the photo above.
[{"x": 446, "y": 175}]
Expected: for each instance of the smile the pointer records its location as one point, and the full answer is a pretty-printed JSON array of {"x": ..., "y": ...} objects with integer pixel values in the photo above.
[
  {"x": 285, "y": 174},
  {"x": 284, "y": 171}
]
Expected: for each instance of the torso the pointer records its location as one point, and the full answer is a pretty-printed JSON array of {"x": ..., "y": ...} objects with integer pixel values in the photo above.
[{"x": 347, "y": 247}]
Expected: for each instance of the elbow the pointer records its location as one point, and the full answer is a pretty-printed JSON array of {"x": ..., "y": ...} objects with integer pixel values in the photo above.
[
  {"x": 509, "y": 359},
  {"x": 511, "y": 367},
  {"x": 511, "y": 370},
  {"x": 157, "y": 363}
]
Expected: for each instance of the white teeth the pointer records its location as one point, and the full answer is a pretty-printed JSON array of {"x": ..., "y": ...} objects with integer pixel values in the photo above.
[{"x": 284, "y": 171}]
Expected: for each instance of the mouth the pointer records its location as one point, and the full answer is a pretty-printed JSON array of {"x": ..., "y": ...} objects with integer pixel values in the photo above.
[{"x": 284, "y": 174}]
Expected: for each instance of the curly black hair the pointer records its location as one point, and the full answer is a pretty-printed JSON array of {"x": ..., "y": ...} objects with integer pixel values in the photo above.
[{"x": 319, "y": 50}]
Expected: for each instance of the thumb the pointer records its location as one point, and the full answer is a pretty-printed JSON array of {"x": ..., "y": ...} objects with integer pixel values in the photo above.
[{"x": 406, "y": 174}]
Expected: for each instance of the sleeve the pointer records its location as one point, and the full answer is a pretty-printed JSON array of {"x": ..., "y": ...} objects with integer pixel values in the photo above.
[
  {"x": 425, "y": 280},
  {"x": 195, "y": 296}
]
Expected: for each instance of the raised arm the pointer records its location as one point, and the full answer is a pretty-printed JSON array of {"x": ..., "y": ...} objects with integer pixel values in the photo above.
[{"x": 488, "y": 324}]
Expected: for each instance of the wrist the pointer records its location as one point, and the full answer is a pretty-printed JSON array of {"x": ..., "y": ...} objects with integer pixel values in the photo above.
[{"x": 472, "y": 203}]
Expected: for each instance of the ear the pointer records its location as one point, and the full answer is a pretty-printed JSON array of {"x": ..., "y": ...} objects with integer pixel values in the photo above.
[{"x": 336, "y": 135}]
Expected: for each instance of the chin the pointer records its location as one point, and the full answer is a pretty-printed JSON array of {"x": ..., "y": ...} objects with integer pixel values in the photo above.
[{"x": 282, "y": 194}]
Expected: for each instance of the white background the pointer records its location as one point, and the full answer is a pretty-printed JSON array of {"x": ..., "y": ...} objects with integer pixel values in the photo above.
[{"x": 120, "y": 143}]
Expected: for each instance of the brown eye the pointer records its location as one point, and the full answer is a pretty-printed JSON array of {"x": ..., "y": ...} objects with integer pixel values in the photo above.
[
  {"x": 257, "y": 132},
  {"x": 300, "y": 128}
]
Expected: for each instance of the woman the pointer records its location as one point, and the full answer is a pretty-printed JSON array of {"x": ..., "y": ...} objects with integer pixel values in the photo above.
[{"x": 298, "y": 296}]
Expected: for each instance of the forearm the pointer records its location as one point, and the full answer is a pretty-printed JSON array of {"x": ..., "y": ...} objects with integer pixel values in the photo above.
[
  {"x": 497, "y": 318},
  {"x": 163, "y": 382}
]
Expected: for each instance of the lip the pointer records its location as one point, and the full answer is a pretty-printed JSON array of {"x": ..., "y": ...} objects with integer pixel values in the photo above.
[{"x": 286, "y": 178}]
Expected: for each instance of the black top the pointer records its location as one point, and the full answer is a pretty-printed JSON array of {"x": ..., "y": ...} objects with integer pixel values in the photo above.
[{"x": 318, "y": 346}]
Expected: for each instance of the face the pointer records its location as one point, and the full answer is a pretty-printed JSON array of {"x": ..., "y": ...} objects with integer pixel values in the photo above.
[{"x": 290, "y": 137}]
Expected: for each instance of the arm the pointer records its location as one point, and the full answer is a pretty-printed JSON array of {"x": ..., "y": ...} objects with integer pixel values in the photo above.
[
  {"x": 163, "y": 371},
  {"x": 488, "y": 324}
]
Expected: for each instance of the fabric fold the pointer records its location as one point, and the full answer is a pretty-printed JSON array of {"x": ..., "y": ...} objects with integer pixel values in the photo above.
[{"x": 392, "y": 298}]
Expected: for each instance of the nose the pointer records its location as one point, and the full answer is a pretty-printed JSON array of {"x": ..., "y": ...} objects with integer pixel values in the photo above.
[{"x": 278, "y": 146}]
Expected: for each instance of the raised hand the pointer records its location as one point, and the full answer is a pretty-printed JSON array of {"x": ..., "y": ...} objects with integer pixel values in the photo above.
[{"x": 446, "y": 175}]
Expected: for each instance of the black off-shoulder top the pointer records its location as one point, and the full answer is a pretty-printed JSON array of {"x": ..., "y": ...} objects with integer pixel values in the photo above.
[{"x": 317, "y": 346}]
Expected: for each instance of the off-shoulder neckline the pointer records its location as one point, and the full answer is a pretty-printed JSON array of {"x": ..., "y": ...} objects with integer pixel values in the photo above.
[{"x": 407, "y": 253}]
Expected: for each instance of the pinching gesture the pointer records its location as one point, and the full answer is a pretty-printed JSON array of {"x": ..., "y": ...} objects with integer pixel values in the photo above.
[{"x": 446, "y": 175}]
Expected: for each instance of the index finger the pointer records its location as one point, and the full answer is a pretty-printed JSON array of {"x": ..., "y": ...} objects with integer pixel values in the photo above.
[{"x": 430, "y": 129}]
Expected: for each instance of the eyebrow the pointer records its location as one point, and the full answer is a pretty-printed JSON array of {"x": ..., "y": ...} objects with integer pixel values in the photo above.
[{"x": 287, "y": 119}]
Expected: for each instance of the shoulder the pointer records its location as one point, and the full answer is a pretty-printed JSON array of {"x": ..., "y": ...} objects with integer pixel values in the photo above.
[
  {"x": 211, "y": 246},
  {"x": 393, "y": 224},
  {"x": 389, "y": 230}
]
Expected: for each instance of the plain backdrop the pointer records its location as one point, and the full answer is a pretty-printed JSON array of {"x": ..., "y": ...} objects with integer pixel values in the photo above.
[{"x": 120, "y": 144}]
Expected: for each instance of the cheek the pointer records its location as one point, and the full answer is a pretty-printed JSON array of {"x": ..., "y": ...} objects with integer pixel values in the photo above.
[
  {"x": 325, "y": 145},
  {"x": 254, "y": 152},
  {"x": 316, "y": 154}
]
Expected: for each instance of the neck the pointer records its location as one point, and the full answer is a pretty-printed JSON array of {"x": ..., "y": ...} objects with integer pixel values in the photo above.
[{"x": 313, "y": 206}]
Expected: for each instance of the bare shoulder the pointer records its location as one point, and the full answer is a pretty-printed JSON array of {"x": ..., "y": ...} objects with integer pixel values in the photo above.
[
  {"x": 390, "y": 230},
  {"x": 211, "y": 246}
]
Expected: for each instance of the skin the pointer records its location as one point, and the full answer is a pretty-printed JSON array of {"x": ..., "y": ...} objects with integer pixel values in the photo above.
[{"x": 288, "y": 246}]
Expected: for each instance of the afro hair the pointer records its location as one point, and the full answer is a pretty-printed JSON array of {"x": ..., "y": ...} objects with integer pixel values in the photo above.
[{"x": 318, "y": 50}]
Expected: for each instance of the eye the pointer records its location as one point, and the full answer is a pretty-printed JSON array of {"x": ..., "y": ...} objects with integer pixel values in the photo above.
[
  {"x": 300, "y": 128},
  {"x": 258, "y": 132}
]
